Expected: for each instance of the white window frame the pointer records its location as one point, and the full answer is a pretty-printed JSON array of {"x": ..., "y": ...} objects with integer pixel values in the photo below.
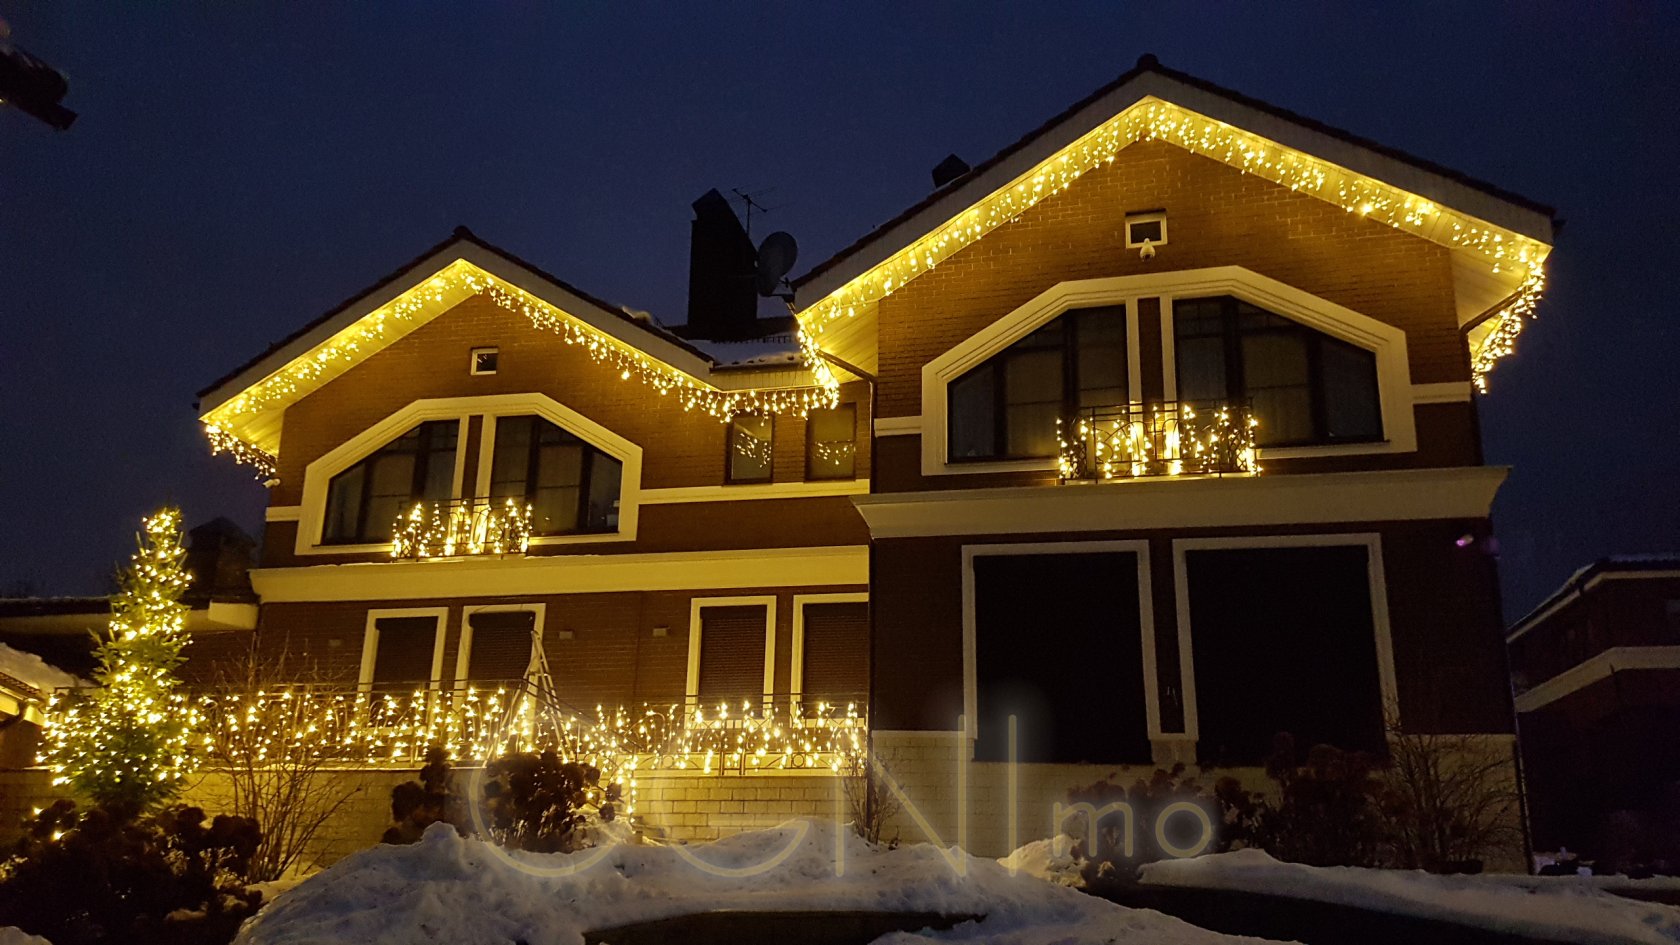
[
  {"x": 463, "y": 651},
  {"x": 472, "y": 360},
  {"x": 1385, "y": 341},
  {"x": 1155, "y": 216},
  {"x": 1146, "y": 620},
  {"x": 698, "y": 604},
  {"x": 370, "y": 643},
  {"x": 1378, "y": 585},
  {"x": 318, "y": 475},
  {"x": 796, "y": 665}
]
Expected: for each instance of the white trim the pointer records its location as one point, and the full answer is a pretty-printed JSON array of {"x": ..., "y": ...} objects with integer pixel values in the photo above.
[
  {"x": 1187, "y": 502},
  {"x": 1385, "y": 341},
  {"x": 796, "y": 659},
  {"x": 1549, "y": 607},
  {"x": 282, "y": 513},
  {"x": 1134, "y": 352},
  {"x": 486, "y": 455},
  {"x": 698, "y": 604},
  {"x": 370, "y": 642},
  {"x": 1377, "y": 583},
  {"x": 318, "y": 474},
  {"x": 1601, "y": 666},
  {"x": 815, "y": 488},
  {"x": 1157, "y": 216},
  {"x": 898, "y": 426},
  {"x": 1169, "y": 348},
  {"x": 463, "y": 650},
  {"x": 836, "y": 566},
  {"x": 1449, "y": 392},
  {"x": 1146, "y": 617}
]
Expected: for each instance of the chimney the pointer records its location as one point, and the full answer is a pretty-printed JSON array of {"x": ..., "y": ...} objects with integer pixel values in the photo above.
[
  {"x": 219, "y": 559},
  {"x": 722, "y": 299},
  {"x": 949, "y": 170}
]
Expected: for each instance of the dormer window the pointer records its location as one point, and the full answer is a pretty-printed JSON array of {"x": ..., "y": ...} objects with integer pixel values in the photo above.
[
  {"x": 363, "y": 502},
  {"x": 1306, "y": 388}
]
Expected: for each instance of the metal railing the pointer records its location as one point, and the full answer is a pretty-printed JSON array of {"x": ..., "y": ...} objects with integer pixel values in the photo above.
[
  {"x": 1170, "y": 438},
  {"x": 450, "y": 527}
]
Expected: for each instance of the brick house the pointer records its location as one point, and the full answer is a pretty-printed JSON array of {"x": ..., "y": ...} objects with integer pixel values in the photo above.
[
  {"x": 1596, "y": 668},
  {"x": 1145, "y": 439}
]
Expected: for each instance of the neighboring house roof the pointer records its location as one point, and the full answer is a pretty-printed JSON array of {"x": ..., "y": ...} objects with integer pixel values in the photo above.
[
  {"x": 1633, "y": 567},
  {"x": 1153, "y": 102}
]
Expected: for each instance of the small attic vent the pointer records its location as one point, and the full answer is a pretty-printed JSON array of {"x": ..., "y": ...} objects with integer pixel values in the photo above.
[
  {"x": 1150, "y": 227},
  {"x": 484, "y": 360}
]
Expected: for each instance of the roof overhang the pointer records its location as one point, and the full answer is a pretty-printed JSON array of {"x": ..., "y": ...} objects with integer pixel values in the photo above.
[
  {"x": 1499, "y": 241},
  {"x": 244, "y": 411}
]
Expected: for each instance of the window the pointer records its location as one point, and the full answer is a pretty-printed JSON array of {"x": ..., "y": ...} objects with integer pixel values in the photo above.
[
  {"x": 1305, "y": 387},
  {"x": 1007, "y": 408},
  {"x": 572, "y": 487},
  {"x": 484, "y": 360},
  {"x": 399, "y": 658},
  {"x": 831, "y": 443},
  {"x": 499, "y": 644},
  {"x": 1146, "y": 228},
  {"x": 728, "y": 665},
  {"x": 832, "y": 642},
  {"x": 751, "y": 447},
  {"x": 364, "y": 501}
]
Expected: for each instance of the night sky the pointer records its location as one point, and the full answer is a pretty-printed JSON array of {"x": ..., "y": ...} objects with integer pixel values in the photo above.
[{"x": 239, "y": 169}]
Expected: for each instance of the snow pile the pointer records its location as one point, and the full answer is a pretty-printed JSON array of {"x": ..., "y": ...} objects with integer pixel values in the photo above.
[
  {"x": 34, "y": 671},
  {"x": 1573, "y": 913},
  {"x": 446, "y": 889},
  {"x": 12, "y": 935},
  {"x": 1050, "y": 860}
]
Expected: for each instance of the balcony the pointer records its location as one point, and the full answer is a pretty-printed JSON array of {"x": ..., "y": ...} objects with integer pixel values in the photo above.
[
  {"x": 455, "y": 527},
  {"x": 1171, "y": 438}
]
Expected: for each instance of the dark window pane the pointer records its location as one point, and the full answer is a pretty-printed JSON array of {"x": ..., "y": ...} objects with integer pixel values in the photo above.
[
  {"x": 973, "y": 415},
  {"x": 570, "y": 486},
  {"x": 363, "y": 502},
  {"x": 402, "y": 659},
  {"x": 501, "y": 644},
  {"x": 344, "y": 504},
  {"x": 836, "y": 651},
  {"x": 1032, "y": 385},
  {"x": 1283, "y": 642},
  {"x": 731, "y": 655},
  {"x": 1351, "y": 403},
  {"x": 1100, "y": 360},
  {"x": 605, "y": 479},
  {"x": 831, "y": 443},
  {"x": 751, "y": 448},
  {"x": 1201, "y": 369},
  {"x": 1276, "y": 367}
]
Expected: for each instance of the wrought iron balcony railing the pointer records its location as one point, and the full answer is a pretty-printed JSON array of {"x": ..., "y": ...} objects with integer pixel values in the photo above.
[
  {"x": 1171, "y": 438},
  {"x": 453, "y": 527}
]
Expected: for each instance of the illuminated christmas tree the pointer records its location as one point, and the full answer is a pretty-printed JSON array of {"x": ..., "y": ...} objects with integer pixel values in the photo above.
[{"x": 126, "y": 745}]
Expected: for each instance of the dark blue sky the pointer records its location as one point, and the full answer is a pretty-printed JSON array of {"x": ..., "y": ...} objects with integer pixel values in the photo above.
[{"x": 239, "y": 168}]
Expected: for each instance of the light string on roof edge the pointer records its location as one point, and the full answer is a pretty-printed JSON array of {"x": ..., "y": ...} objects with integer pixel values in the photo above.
[
  {"x": 462, "y": 279},
  {"x": 1155, "y": 120}
]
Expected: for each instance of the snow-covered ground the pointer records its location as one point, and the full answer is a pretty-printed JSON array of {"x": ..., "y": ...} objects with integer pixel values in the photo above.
[
  {"x": 1546, "y": 908},
  {"x": 446, "y": 889},
  {"x": 35, "y": 671},
  {"x": 12, "y": 935}
]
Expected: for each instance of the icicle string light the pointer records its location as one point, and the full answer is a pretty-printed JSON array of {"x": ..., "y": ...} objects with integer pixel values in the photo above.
[
  {"x": 1155, "y": 120},
  {"x": 460, "y": 280}
]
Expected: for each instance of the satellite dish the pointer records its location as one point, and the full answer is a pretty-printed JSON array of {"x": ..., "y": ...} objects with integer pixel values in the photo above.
[{"x": 776, "y": 256}]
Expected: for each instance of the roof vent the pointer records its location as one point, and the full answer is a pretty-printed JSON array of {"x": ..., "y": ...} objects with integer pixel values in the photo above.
[{"x": 949, "y": 170}]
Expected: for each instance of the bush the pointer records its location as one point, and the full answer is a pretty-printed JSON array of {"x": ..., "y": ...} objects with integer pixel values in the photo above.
[
  {"x": 529, "y": 801},
  {"x": 88, "y": 878},
  {"x": 1329, "y": 811},
  {"x": 416, "y": 805},
  {"x": 1103, "y": 847}
]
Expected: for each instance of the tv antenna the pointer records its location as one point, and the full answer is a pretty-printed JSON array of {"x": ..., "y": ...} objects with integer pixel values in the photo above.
[{"x": 750, "y": 202}]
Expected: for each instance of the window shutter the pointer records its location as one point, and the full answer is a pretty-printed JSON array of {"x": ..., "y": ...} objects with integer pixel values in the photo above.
[
  {"x": 403, "y": 658},
  {"x": 501, "y": 644},
  {"x": 731, "y": 654},
  {"x": 836, "y": 653}
]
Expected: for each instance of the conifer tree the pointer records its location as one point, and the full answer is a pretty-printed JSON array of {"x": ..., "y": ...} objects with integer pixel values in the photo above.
[{"x": 127, "y": 744}]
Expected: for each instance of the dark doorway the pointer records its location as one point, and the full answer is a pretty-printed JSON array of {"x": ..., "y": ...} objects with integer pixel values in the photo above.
[
  {"x": 1283, "y": 642},
  {"x": 1059, "y": 645}
]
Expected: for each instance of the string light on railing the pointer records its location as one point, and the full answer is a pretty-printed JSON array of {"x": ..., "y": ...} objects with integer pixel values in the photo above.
[
  {"x": 1164, "y": 439},
  {"x": 1152, "y": 119},
  {"x": 447, "y": 528}
]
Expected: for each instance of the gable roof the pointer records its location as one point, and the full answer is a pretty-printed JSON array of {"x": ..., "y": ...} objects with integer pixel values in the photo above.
[
  {"x": 242, "y": 411},
  {"x": 1151, "y": 101}
]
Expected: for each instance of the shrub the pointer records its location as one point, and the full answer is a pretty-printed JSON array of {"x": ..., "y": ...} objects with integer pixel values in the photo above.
[
  {"x": 1103, "y": 847},
  {"x": 869, "y": 798},
  {"x": 1450, "y": 800},
  {"x": 1329, "y": 811},
  {"x": 539, "y": 803},
  {"x": 90, "y": 878},
  {"x": 416, "y": 805}
]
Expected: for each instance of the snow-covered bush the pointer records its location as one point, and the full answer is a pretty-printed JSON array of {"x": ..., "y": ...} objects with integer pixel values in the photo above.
[{"x": 522, "y": 801}]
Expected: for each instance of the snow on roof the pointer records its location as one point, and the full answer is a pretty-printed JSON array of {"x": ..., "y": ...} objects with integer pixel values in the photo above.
[
  {"x": 1538, "y": 907},
  {"x": 31, "y": 670},
  {"x": 446, "y": 889},
  {"x": 762, "y": 352}
]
